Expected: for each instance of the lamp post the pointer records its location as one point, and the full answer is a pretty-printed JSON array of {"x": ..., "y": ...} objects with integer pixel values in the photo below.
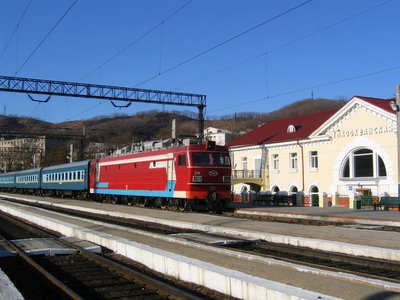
[
  {"x": 398, "y": 137},
  {"x": 396, "y": 107}
]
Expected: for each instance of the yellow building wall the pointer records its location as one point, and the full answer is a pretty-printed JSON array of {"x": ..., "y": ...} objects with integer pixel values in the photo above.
[{"x": 359, "y": 127}]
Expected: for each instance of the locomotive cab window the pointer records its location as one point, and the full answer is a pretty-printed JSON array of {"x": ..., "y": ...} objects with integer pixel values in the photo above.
[
  {"x": 221, "y": 159},
  {"x": 201, "y": 159},
  {"x": 182, "y": 160}
]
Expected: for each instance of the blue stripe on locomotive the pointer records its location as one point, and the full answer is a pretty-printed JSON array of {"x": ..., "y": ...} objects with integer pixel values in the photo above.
[
  {"x": 66, "y": 176},
  {"x": 167, "y": 193},
  {"x": 28, "y": 179}
]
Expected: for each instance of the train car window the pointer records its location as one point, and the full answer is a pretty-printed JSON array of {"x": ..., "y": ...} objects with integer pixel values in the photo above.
[
  {"x": 201, "y": 159},
  {"x": 182, "y": 160},
  {"x": 154, "y": 163}
]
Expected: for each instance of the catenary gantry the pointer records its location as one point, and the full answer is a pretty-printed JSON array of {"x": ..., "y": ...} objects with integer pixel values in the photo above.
[{"x": 87, "y": 90}]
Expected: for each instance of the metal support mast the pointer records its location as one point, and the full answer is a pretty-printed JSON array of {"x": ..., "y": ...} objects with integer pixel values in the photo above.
[{"x": 86, "y": 90}]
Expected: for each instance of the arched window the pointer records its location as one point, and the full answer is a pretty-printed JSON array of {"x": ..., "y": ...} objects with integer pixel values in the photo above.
[
  {"x": 363, "y": 163},
  {"x": 314, "y": 190},
  {"x": 293, "y": 190},
  {"x": 275, "y": 189},
  {"x": 291, "y": 129}
]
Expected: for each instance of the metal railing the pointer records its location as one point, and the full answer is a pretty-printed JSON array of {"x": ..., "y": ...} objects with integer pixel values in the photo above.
[{"x": 238, "y": 174}]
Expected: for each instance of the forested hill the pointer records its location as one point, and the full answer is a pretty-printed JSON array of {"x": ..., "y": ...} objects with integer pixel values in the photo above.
[{"x": 154, "y": 124}]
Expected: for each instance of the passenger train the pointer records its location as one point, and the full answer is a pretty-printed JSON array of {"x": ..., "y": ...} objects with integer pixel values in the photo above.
[{"x": 186, "y": 177}]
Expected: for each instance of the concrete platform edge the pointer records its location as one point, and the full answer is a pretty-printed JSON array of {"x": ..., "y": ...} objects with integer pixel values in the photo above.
[
  {"x": 236, "y": 284},
  {"x": 333, "y": 218},
  {"x": 316, "y": 244}
]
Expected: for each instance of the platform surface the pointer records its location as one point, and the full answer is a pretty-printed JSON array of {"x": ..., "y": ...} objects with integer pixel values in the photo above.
[
  {"x": 290, "y": 276},
  {"x": 336, "y": 213}
]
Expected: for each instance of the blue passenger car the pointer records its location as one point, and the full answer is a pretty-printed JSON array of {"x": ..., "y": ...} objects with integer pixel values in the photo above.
[
  {"x": 7, "y": 181},
  {"x": 66, "y": 179},
  {"x": 28, "y": 179}
]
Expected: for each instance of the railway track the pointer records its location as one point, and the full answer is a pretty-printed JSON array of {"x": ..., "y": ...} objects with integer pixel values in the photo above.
[
  {"x": 370, "y": 268},
  {"x": 366, "y": 267},
  {"x": 82, "y": 275}
]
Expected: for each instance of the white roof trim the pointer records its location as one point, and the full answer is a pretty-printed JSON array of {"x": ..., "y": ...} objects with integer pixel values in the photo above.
[{"x": 341, "y": 112}]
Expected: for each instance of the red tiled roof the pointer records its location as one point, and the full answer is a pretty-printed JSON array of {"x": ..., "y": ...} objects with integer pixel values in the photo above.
[
  {"x": 276, "y": 131},
  {"x": 381, "y": 103}
]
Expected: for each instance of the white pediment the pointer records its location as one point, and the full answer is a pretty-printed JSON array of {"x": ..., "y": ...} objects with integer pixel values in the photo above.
[{"x": 334, "y": 123}]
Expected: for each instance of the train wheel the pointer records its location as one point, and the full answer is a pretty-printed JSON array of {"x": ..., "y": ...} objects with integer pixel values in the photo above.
[
  {"x": 182, "y": 204},
  {"x": 114, "y": 199},
  {"x": 130, "y": 201},
  {"x": 164, "y": 204},
  {"x": 142, "y": 202}
]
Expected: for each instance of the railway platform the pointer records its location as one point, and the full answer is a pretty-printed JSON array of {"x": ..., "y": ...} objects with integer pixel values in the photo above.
[
  {"x": 243, "y": 276},
  {"x": 7, "y": 289},
  {"x": 359, "y": 217}
]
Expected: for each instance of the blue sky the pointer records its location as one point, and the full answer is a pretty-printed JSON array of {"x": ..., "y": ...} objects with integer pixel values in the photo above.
[{"x": 325, "y": 48}]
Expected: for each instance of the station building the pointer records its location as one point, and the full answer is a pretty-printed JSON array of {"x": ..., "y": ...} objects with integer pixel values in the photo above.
[{"x": 332, "y": 154}]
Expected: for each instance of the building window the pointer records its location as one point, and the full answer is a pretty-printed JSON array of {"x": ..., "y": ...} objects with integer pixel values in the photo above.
[
  {"x": 275, "y": 162},
  {"x": 275, "y": 189},
  {"x": 293, "y": 190},
  {"x": 244, "y": 163},
  {"x": 363, "y": 163},
  {"x": 182, "y": 160},
  {"x": 313, "y": 160},
  {"x": 293, "y": 162}
]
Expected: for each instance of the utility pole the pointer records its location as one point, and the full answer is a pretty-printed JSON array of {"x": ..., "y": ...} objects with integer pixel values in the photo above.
[
  {"x": 71, "y": 153},
  {"x": 398, "y": 137}
]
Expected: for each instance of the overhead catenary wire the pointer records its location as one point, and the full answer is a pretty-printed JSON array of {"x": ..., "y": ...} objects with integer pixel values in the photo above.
[
  {"x": 119, "y": 52},
  {"x": 284, "y": 45},
  {"x": 223, "y": 43},
  {"x": 15, "y": 29},
  {"x": 46, "y": 36},
  {"x": 311, "y": 87}
]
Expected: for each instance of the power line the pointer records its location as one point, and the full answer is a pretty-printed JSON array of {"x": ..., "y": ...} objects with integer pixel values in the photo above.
[
  {"x": 15, "y": 29},
  {"x": 285, "y": 44},
  {"x": 311, "y": 87},
  {"x": 118, "y": 53},
  {"x": 224, "y": 42},
  {"x": 45, "y": 38}
]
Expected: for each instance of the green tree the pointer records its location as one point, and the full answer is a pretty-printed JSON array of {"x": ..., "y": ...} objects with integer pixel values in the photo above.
[{"x": 58, "y": 155}]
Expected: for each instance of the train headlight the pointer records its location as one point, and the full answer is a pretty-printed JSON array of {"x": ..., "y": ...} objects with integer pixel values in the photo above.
[{"x": 197, "y": 178}]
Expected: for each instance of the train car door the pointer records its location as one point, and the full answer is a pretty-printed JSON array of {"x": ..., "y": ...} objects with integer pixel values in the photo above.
[
  {"x": 92, "y": 174},
  {"x": 171, "y": 178}
]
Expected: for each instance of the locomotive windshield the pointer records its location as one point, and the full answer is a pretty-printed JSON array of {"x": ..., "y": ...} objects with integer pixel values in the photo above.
[
  {"x": 201, "y": 159},
  {"x": 207, "y": 159},
  {"x": 221, "y": 159}
]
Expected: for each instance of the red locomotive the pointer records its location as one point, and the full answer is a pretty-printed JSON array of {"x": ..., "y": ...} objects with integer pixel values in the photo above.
[{"x": 194, "y": 176}]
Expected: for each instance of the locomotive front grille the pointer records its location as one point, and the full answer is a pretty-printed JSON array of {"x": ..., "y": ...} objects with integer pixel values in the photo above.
[{"x": 227, "y": 179}]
